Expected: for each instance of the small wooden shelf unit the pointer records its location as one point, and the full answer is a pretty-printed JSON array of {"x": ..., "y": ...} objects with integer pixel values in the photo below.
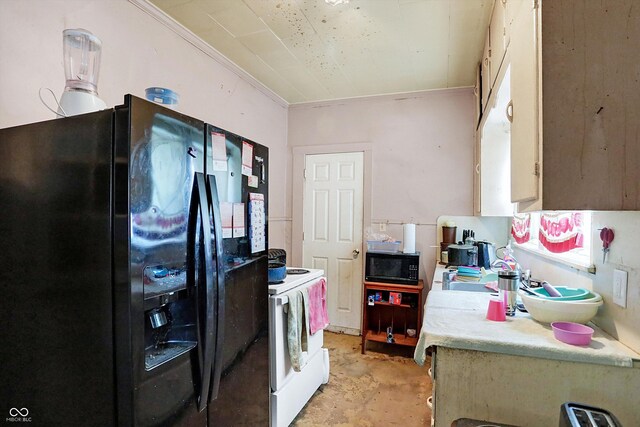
[{"x": 378, "y": 317}]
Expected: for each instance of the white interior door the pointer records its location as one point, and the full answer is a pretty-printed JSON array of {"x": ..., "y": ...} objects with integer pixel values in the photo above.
[{"x": 332, "y": 232}]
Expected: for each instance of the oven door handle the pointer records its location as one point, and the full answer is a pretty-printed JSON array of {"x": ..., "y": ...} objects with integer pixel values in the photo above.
[{"x": 282, "y": 300}]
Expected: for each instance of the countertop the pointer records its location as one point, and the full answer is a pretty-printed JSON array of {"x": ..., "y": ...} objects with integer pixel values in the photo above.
[{"x": 456, "y": 319}]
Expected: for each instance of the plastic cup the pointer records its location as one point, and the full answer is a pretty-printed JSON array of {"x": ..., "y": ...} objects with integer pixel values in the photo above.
[{"x": 495, "y": 311}]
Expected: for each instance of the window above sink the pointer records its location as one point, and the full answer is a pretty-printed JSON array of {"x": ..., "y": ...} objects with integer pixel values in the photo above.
[{"x": 559, "y": 236}]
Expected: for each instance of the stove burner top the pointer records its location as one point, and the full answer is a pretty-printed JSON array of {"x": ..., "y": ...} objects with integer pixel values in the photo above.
[{"x": 297, "y": 271}]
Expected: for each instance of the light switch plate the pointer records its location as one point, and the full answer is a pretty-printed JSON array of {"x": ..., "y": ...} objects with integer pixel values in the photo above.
[
  {"x": 383, "y": 226},
  {"x": 620, "y": 288}
]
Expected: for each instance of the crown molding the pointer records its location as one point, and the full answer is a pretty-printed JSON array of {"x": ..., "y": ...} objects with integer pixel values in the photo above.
[
  {"x": 201, "y": 45},
  {"x": 398, "y": 96}
]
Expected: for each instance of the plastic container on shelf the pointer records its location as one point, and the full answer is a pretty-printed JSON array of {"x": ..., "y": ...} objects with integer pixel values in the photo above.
[
  {"x": 391, "y": 247},
  {"x": 163, "y": 96}
]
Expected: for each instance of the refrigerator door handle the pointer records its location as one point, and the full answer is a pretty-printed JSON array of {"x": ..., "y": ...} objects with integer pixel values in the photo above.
[
  {"x": 208, "y": 342},
  {"x": 217, "y": 224}
]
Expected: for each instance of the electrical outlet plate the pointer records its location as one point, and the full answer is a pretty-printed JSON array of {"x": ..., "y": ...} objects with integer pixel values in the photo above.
[
  {"x": 383, "y": 226},
  {"x": 620, "y": 288}
]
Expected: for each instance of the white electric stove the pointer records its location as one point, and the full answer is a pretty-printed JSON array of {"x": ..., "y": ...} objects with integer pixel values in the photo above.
[{"x": 291, "y": 390}]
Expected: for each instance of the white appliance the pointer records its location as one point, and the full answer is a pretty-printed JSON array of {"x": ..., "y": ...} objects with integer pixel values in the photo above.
[
  {"x": 291, "y": 390},
  {"x": 82, "y": 52}
]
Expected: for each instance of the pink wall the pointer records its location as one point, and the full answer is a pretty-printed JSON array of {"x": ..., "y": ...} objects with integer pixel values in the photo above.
[
  {"x": 422, "y": 143},
  {"x": 422, "y": 151},
  {"x": 138, "y": 52}
]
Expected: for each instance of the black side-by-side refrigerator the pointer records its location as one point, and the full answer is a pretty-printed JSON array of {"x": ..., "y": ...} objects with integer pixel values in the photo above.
[{"x": 125, "y": 298}]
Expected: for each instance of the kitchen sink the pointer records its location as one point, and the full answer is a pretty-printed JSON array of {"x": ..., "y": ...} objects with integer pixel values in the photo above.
[{"x": 467, "y": 286}]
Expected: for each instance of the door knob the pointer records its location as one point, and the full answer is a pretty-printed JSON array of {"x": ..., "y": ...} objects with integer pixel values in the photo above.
[{"x": 355, "y": 253}]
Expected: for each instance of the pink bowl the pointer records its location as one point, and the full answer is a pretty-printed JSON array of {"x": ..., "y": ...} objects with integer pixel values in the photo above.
[{"x": 572, "y": 333}]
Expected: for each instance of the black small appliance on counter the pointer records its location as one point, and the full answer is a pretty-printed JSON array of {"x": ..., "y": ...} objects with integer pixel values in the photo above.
[
  {"x": 484, "y": 257},
  {"x": 392, "y": 267},
  {"x": 460, "y": 255}
]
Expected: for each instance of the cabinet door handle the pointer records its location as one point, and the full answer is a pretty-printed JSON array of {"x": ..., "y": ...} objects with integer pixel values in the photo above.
[
  {"x": 510, "y": 111},
  {"x": 478, "y": 168}
]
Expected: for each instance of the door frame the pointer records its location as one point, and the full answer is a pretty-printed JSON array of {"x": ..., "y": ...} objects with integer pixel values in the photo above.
[{"x": 297, "y": 193}]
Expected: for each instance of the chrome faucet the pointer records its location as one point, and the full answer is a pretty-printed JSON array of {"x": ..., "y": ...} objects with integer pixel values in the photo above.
[
  {"x": 501, "y": 263},
  {"x": 525, "y": 277},
  {"x": 446, "y": 279}
]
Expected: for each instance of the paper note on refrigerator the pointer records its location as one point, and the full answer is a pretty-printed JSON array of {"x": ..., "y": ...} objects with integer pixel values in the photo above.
[
  {"x": 247, "y": 158},
  {"x": 257, "y": 222},
  {"x": 219, "y": 150},
  {"x": 226, "y": 214},
  {"x": 238, "y": 220}
]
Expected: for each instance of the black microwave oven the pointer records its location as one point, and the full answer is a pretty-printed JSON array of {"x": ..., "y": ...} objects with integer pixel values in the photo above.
[{"x": 392, "y": 267}]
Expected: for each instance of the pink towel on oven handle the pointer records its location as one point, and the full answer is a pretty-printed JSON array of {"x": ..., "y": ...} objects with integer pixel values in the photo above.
[{"x": 318, "y": 316}]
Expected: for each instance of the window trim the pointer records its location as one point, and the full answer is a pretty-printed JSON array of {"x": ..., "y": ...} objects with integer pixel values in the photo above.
[
  {"x": 568, "y": 259},
  {"x": 557, "y": 258}
]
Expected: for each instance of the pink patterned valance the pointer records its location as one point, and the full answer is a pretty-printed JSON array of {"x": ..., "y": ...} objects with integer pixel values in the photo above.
[
  {"x": 521, "y": 228},
  {"x": 561, "y": 231}
]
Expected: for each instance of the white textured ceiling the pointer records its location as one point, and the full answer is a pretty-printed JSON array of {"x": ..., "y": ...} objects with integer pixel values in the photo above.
[{"x": 308, "y": 50}]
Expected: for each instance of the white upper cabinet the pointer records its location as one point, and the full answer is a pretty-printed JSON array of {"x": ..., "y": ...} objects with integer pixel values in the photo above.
[
  {"x": 497, "y": 38},
  {"x": 485, "y": 67},
  {"x": 575, "y": 105},
  {"x": 511, "y": 9},
  {"x": 494, "y": 170},
  {"x": 575, "y": 135},
  {"x": 524, "y": 106},
  {"x": 476, "y": 175}
]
